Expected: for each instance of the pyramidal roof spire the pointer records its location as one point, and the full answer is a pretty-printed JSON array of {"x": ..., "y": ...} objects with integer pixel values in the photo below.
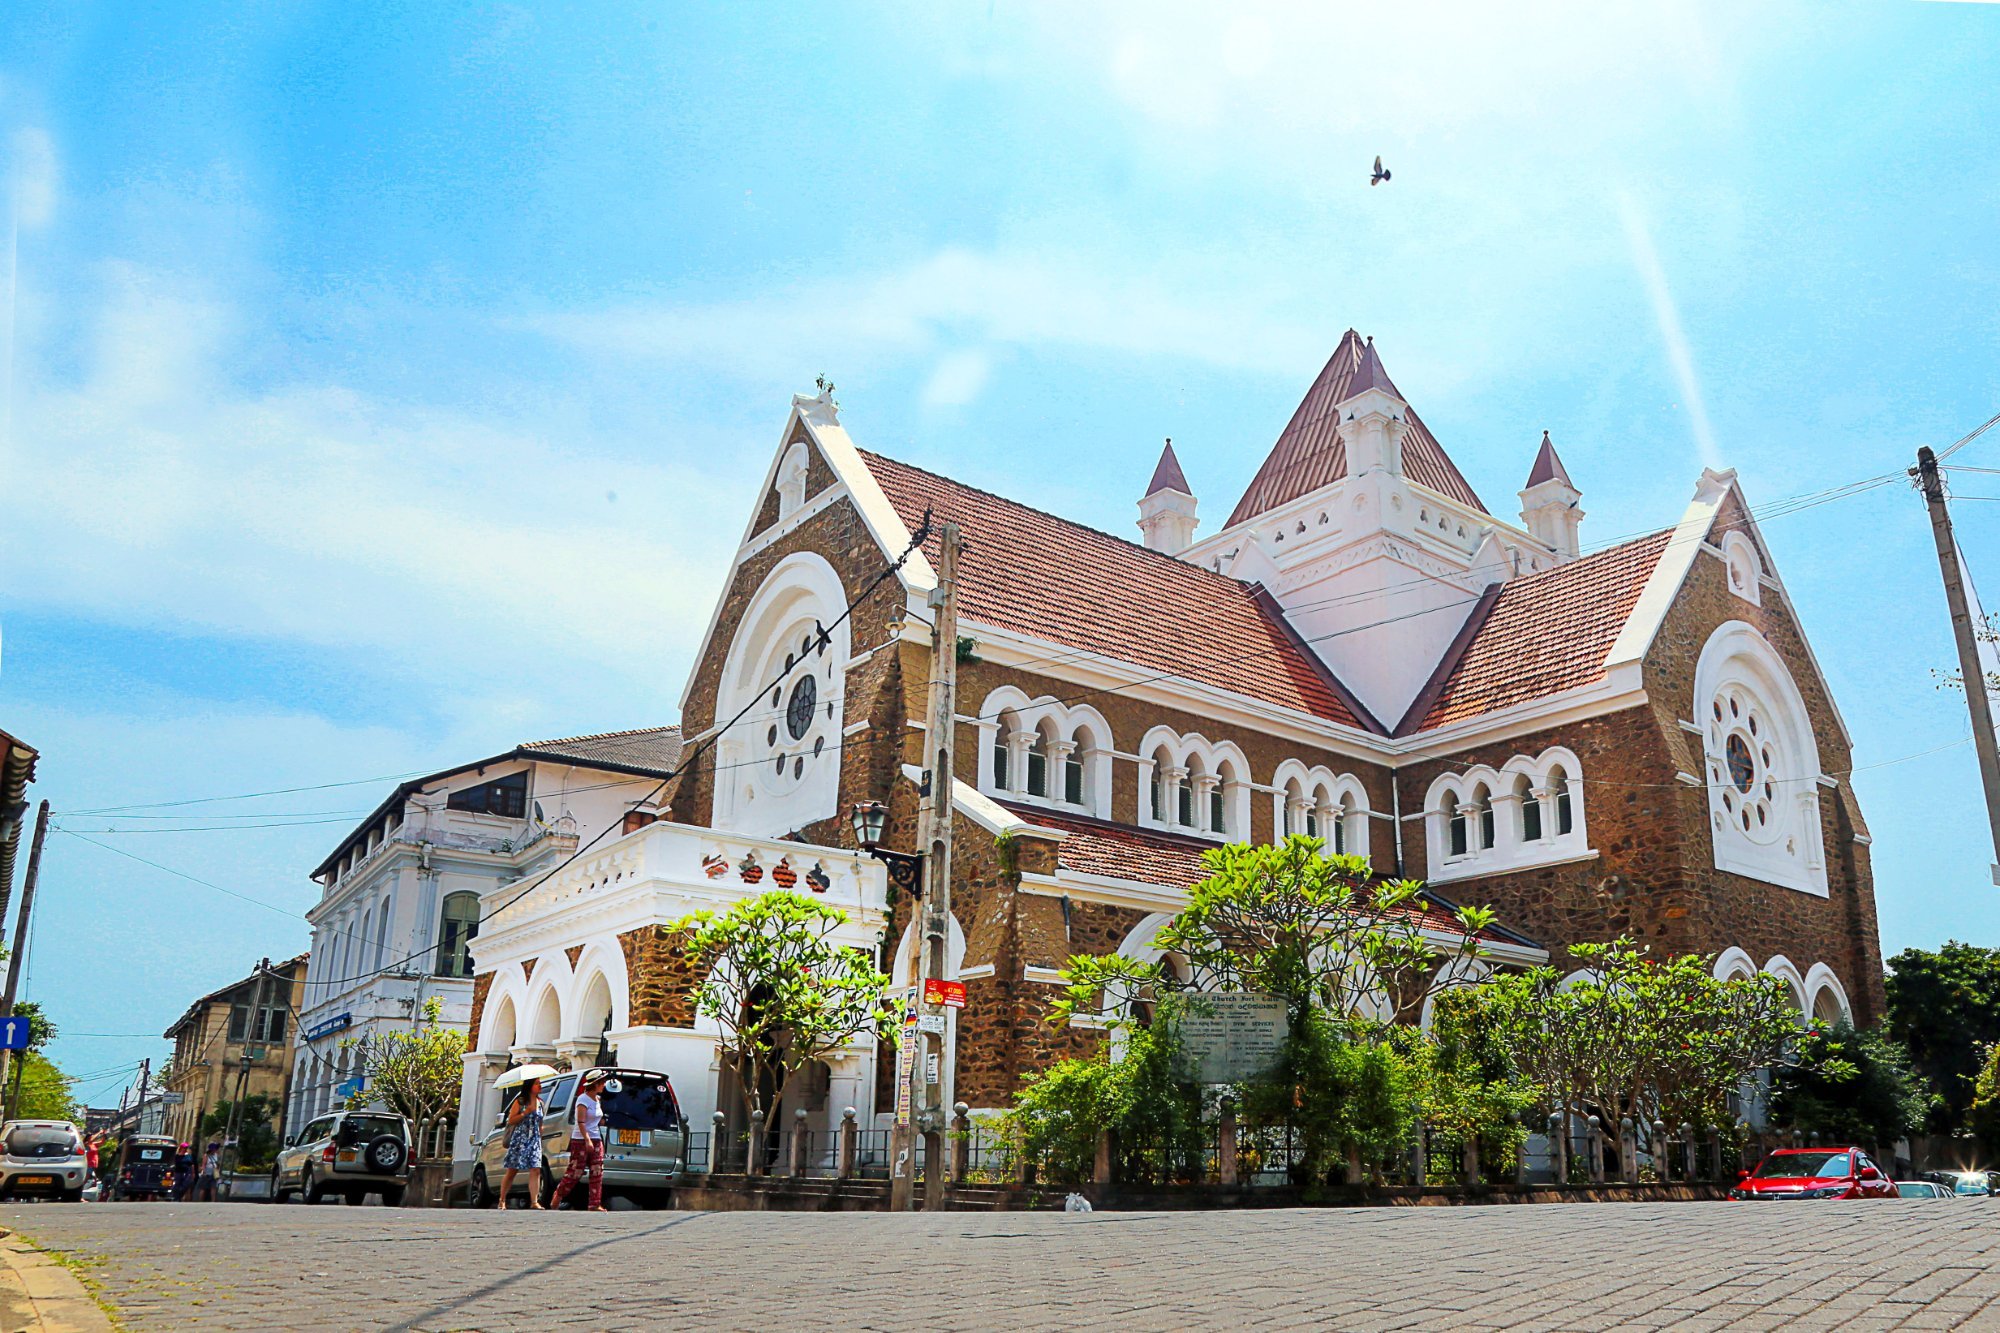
[
  {"x": 1310, "y": 454},
  {"x": 1168, "y": 476},
  {"x": 1369, "y": 373},
  {"x": 1548, "y": 467}
]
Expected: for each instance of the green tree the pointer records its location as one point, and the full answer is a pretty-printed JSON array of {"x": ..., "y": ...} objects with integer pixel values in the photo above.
[
  {"x": 1469, "y": 1086},
  {"x": 256, "y": 1131},
  {"x": 44, "y": 1091},
  {"x": 1139, "y": 1096},
  {"x": 1347, "y": 954},
  {"x": 1290, "y": 921},
  {"x": 1656, "y": 1040},
  {"x": 782, "y": 990},
  {"x": 1852, "y": 1086},
  {"x": 416, "y": 1073},
  {"x": 1944, "y": 1009}
]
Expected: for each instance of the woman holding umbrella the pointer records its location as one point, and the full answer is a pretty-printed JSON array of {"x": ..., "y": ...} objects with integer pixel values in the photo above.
[{"x": 524, "y": 1131}]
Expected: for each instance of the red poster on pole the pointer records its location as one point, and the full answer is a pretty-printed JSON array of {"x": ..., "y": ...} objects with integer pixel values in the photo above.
[{"x": 950, "y": 994}]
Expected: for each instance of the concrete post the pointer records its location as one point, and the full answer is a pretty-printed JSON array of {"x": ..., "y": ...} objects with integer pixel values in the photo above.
[
  {"x": 716, "y": 1142},
  {"x": 1559, "y": 1145},
  {"x": 755, "y": 1166},
  {"x": 849, "y": 1140},
  {"x": 1354, "y": 1164},
  {"x": 1660, "y": 1167},
  {"x": 1520, "y": 1154},
  {"x": 961, "y": 1143},
  {"x": 1594, "y": 1137},
  {"x": 1420, "y": 1167},
  {"x": 1628, "y": 1150},
  {"x": 1101, "y": 1171},
  {"x": 1225, "y": 1144},
  {"x": 801, "y": 1142},
  {"x": 1687, "y": 1152},
  {"x": 1470, "y": 1160}
]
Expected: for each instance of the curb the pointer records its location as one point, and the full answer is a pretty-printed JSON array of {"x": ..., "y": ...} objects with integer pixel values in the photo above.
[{"x": 57, "y": 1302}]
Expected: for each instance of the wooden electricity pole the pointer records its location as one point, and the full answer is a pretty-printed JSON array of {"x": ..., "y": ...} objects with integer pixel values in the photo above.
[
  {"x": 1963, "y": 630},
  {"x": 919, "y": 1097},
  {"x": 20, "y": 956}
]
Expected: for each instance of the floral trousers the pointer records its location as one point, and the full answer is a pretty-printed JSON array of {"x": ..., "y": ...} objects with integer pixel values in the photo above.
[{"x": 584, "y": 1155}]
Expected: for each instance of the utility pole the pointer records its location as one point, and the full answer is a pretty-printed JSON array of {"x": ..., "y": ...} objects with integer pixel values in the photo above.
[
  {"x": 20, "y": 956},
  {"x": 919, "y": 1108},
  {"x": 251, "y": 1039},
  {"x": 1965, "y": 632},
  {"x": 145, "y": 1080}
]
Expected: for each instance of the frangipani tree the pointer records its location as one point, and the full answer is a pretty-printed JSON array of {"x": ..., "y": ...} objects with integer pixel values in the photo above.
[
  {"x": 782, "y": 990},
  {"x": 1287, "y": 920},
  {"x": 1656, "y": 1039},
  {"x": 415, "y": 1073}
]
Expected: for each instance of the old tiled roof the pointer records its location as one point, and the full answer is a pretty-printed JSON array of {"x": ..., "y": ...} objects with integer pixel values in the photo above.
[
  {"x": 1029, "y": 571},
  {"x": 1173, "y": 861},
  {"x": 1540, "y": 635},
  {"x": 1310, "y": 455},
  {"x": 653, "y": 750}
]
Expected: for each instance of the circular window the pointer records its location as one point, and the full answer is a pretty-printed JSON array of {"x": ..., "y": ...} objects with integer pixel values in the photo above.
[
  {"x": 1742, "y": 764},
  {"x": 799, "y": 712}
]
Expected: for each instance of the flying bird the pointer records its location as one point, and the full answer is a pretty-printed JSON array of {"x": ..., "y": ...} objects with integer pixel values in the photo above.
[{"x": 1380, "y": 175}]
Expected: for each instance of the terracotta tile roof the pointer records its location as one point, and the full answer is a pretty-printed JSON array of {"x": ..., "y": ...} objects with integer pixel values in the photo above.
[
  {"x": 653, "y": 750},
  {"x": 1173, "y": 860},
  {"x": 1032, "y": 572},
  {"x": 1541, "y": 635},
  {"x": 1310, "y": 455}
]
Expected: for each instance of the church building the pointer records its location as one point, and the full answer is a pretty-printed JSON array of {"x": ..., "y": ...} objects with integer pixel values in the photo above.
[{"x": 1627, "y": 738}]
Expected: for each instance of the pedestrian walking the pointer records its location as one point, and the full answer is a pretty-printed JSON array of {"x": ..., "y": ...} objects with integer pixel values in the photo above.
[
  {"x": 90, "y": 1146},
  {"x": 524, "y": 1144},
  {"x": 183, "y": 1172},
  {"x": 211, "y": 1172},
  {"x": 586, "y": 1145}
]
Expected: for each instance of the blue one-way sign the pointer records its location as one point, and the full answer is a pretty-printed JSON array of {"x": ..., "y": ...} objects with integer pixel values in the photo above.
[{"x": 13, "y": 1034}]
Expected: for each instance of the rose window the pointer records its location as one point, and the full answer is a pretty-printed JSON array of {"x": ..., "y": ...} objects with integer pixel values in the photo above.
[
  {"x": 798, "y": 736},
  {"x": 1743, "y": 764}
]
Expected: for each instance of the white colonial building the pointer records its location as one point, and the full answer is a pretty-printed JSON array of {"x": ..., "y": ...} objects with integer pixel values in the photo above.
[{"x": 401, "y": 896}]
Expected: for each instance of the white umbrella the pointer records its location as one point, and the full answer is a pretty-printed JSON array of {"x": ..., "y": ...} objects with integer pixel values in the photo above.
[{"x": 520, "y": 1074}]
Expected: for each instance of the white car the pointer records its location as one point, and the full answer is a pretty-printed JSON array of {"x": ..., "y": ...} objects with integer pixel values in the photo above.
[{"x": 42, "y": 1157}]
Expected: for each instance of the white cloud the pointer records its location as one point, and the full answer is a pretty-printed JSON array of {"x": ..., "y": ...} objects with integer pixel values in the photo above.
[
  {"x": 958, "y": 379},
  {"x": 32, "y": 178},
  {"x": 954, "y": 296},
  {"x": 457, "y": 548}
]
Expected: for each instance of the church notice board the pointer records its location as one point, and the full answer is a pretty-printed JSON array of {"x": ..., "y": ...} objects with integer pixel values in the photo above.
[{"x": 1226, "y": 1038}]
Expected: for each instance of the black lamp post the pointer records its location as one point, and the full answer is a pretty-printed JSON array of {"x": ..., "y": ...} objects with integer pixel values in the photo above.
[{"x": 905, "y": 869}]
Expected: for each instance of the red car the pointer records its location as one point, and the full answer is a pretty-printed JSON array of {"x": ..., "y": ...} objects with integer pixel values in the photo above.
[{"x": 1815, "y": 1173}]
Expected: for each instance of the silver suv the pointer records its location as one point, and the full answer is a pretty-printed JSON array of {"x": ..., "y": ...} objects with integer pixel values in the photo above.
[
  {"x": 644, "y": 1137},
  {"x": 350, "y": 1153},
  {"x": 42, "y": 1157}
]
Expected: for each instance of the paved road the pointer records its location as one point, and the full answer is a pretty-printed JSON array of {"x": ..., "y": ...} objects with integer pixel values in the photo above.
[{"x": 1906, "y": 1264}]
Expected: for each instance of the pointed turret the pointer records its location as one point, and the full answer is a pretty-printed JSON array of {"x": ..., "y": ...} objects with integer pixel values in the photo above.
[
  {"x": 1372, "y": 418},
  {"x": 1549, "y": 503},
  {"x": 1166, "y": 511}
]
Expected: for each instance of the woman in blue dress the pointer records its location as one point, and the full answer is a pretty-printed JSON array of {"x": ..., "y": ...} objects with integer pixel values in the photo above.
[{"x": 524, "y": 1143}]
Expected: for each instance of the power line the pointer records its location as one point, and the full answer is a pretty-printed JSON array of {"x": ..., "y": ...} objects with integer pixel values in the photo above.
[
  {"x": 1964, "y": 440},
  {"x": 247, "y": 796}
]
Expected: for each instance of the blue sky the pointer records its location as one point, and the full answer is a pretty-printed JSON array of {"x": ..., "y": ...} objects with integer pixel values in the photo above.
[{"x": 389, "y": 382}]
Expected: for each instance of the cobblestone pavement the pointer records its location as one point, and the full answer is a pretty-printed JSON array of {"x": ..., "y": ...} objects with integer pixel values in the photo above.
[{"x": 1869, "y": 1265}]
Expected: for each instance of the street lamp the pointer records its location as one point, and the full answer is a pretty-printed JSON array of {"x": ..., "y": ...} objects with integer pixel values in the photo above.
[{"x": 905, "y": 869}]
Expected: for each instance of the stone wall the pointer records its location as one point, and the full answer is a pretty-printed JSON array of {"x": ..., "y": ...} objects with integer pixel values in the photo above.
[{"x": 660, "y": 979}]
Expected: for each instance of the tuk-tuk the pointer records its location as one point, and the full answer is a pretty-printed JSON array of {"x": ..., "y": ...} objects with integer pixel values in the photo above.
[{"x": 145, "y": 1168}]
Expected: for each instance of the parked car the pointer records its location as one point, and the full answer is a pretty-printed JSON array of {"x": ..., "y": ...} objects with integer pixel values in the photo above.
[
  {"x": 42, "y": 1157},
  {"x": 1815, "y": 1173},
  {"x": 645, "y": 1136},
  {"x": 349, "y": 1153},
  {"x": 1972, "y": 1185},
  {"x": 1921, "y": 1189}
]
